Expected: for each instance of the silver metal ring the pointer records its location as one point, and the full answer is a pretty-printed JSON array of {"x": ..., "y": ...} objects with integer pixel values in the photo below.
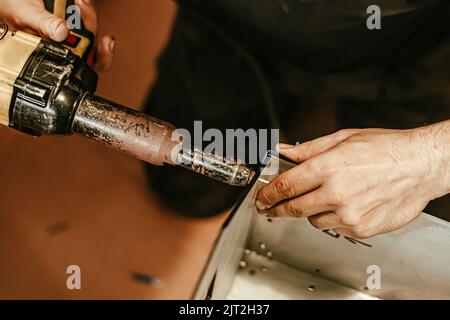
[{"x": 5, "y": 30}]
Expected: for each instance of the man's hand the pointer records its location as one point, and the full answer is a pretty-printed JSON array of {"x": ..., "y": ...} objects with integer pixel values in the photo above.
[
  {"x": 31, "y": 16},
  {"x": 361, "y": 183}
]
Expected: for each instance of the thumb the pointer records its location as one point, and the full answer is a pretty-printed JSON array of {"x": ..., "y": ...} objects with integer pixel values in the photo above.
[{"x": 46, "y": 24}]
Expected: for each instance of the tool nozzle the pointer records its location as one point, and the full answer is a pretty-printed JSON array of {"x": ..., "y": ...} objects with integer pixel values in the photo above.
[
  {"x": 216, "y": 167},
  {"x": 151, "y": 140},
  {"x": 126, "y": 130}
]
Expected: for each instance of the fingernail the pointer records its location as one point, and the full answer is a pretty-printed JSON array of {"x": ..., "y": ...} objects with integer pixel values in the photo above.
[
  {"x": 60, "y": 32},
  {"x": 261, "y": 206},
  {"x": 112, "y": 45}
]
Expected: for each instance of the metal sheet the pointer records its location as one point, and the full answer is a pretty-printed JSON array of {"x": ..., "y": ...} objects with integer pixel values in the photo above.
[
  {"x": 414, "y": 261},
  {"x": 265, "y": 278},
  {"x": 224, "y": 261}
]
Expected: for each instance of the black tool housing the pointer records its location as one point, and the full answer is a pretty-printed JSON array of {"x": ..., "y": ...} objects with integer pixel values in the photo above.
[{"x": 49, "y": 89}]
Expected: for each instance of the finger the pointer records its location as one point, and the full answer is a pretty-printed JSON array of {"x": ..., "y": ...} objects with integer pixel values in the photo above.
[
  {"x": 44, "y": 23},
  {"x": 105, "y": 53},
  {"x": 302, "y": 207},
  {"x": 307, "y": 150},
  {"x": 325, "y": 221},
  {"x": 293, "y": 183},
  {"x": 88, "y": 14}
]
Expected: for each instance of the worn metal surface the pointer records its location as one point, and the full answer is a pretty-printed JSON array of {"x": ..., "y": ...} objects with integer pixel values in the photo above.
[
  {"x": 216, "y": 167},
  {"x": 413, "y": 260},
  {"x": 151, "y": 140},
  {"x": 263, "y": 278},
  {"x": 126, "y": 130}
]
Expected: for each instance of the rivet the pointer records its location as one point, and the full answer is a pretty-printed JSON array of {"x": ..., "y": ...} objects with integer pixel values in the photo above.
[{"x": 262, "y": 246}]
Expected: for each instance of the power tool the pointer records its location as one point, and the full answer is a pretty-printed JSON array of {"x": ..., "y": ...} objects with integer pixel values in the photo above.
[{"x": 47, "y": 88}]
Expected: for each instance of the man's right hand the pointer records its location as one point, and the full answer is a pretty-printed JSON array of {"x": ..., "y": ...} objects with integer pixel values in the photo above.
[{"x": 32, "y": 17}]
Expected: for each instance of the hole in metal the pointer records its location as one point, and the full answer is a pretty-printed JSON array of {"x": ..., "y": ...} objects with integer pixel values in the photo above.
[{"x": 147, "y": 279}]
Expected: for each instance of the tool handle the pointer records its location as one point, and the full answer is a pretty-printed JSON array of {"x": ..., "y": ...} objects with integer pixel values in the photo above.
[{"x": 80, "y": 40}]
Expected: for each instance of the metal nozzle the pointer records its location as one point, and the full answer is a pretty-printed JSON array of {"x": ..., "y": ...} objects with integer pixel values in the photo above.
[
  {"x": 216, "y": 167},
  {"x": 124, "y": 129},
  {"x": 151, "y": 140}
]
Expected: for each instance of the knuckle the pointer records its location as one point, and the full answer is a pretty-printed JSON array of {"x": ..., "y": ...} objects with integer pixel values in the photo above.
[
  {"x": 357, "y": 138},
  {"x": 284, "y": 188},
  {"x": 361, "y": 233},
  {"x": 342, "y": 133},
  {"x": 328, "y": 170},
  {"x": 350, "y": 219},
  {"x": 265, "y": 195},
  {"x": 311, "y": 166},
  {"x": 336, "y": 199},
  {"x": 294, "y": 210}
]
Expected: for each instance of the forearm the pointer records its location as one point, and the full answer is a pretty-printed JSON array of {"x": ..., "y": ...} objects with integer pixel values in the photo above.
[{"x": 437, "y": 145}]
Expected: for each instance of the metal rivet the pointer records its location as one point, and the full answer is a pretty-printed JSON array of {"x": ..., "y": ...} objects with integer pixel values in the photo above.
[
  {"x": 269, "y": 254},
  {"x": 263, "y": 269},
  {"x": 262, "y": 246},
  {"x": 242, "y": 264},
  {"x": 247, "y": 251}
]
